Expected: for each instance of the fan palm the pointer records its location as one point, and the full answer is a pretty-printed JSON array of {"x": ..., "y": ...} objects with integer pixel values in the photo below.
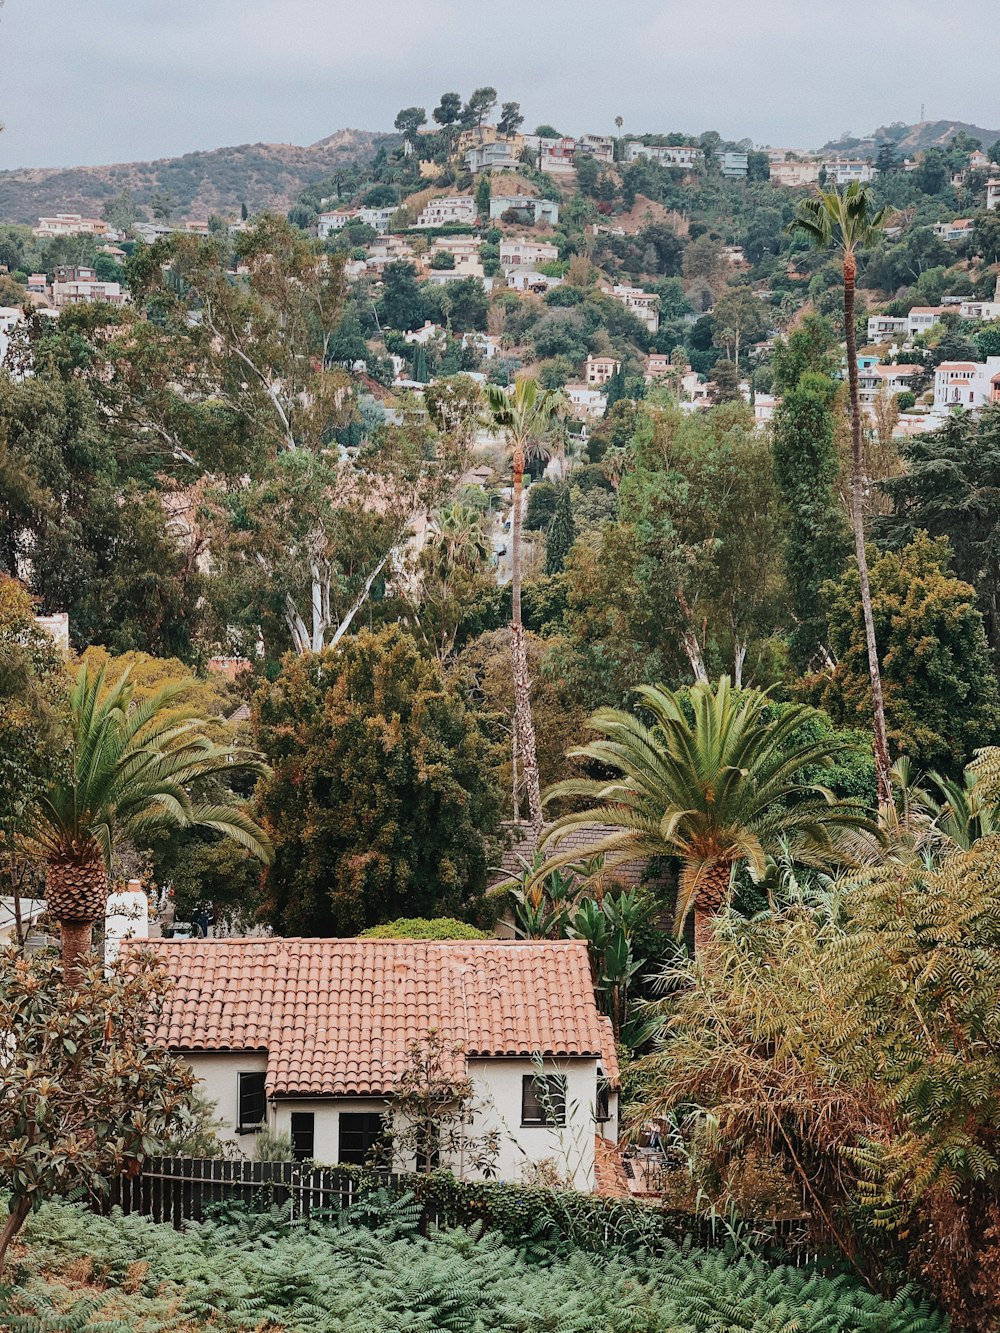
[
  {"x": 723, "y": 789},
  {"x": 130, "y": 770},
  {"x": 846, "y": 221},
  {"x": 523, "y": 417}
]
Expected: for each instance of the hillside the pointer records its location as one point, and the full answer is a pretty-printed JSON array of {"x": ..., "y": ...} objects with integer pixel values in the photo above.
[
  {"x": 922, "y": 134},
  {"x": 263, "y": 175}
]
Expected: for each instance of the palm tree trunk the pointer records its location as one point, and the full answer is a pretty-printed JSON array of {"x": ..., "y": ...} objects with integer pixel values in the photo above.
[
  {"x": 702, "y": 930},
  {"x": 881, "y": 745},
  {"x": 76, "y": 941},
  {"x": 523, "y": 721}
]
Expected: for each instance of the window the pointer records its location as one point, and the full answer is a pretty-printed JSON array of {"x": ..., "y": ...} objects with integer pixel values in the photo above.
[
  {"x": 252, "y": 1107},
  {"x": 603, "y": 1109},
  {"x": 303, "y": 1135},
  {"x": 543, "y": 1099},
  {"x": 361, "y": 1135}
]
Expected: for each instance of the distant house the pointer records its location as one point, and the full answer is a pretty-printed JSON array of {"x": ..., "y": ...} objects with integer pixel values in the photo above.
[
  {"x": 882, "y": 328},
  {"x": 644, "y": 305},
  {"x": 450, "y": 209},
  {"x": 310, "y": 1038},
  {"x": 525, "y": 252},
  {"x": 923, "y": 317},
  {"x": 841, "y": 172},
  {"x": 734, "y": 164},
  {"x": 585, "y": 401},
  {"x": 70, "y": 224},
  {"x": 557, "y": 156},
  {"x": 894, "y": 379},
  {"x": 680, "y": 156},
  {"x": 428, "y": 333},
  {"x": 959, "y": 229},
  {"x": 965, "y": 385},
  {"x": 74, "y": 285},
  {"x": 599, "y": 369},
  {"x": 987, "y": 310},
  {"x": 496, "y": 156},
  {"x": 541, "y": 210},
  {"x": 332, "y": 220},
  {"x": 530, "y": 280},
  {"x": 794, "y": 175},
  {"x": 599, "y": 146},
  {"x": 993, "y": 195}
]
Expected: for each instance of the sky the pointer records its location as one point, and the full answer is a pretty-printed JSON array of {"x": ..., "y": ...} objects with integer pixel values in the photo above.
[{"x": 86, "y": 82}]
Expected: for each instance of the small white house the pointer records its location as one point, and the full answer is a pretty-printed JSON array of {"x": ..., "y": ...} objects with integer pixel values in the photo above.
[
  {"x": 966, "y": 385},
  {"x": 311, "y": 1037}
]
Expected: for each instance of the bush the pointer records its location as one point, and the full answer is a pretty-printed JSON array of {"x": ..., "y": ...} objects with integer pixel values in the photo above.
[
  {"x": 244, "y": 1271},
  {"x": 424, "y": 928}
]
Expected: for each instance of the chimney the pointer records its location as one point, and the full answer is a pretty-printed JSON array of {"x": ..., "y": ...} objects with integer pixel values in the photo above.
[{"x": 126, "y": 917}]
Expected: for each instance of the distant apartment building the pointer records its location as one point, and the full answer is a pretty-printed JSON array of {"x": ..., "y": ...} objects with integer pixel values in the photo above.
[
  {"x": 335, "y": 219},
  {"x": 644, "y": 305},
  {"x": 541, "y": 210},
  {"x": 496, "y": 156},
  {"x": 70, "y": 224},
  {"x": 734, "y": 164},
  {"x": 73, "y": 286},
  {"x": 526, "y": 253},
  {"x": 966, "y": 385},
  {"x": 599, "y": 369},
  {"x": 680, "y": 156},
  {"x": 883, "y": 328},
  {"x": 794, "y": 175},
  {"x": 600, "y": 146},
  {"x": 993, "y": 195},
  {"x": 448, "y": 211},
  {"x": 843, "y": 172}
]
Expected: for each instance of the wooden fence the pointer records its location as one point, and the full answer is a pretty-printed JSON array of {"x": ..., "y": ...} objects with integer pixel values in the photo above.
[{"x": 179, "y": 1189}]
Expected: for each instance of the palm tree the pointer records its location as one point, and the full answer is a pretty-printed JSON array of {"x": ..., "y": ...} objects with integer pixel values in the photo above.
[
  {"x": 523, "y": 416},
  {"x": 724, "y": 789},
  {"x": 129, "y": 772},
  {"x": 847, "y": 221}
]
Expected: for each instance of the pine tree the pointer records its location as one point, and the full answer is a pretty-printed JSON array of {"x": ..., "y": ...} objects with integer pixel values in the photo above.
[
  {"x": 420, "y": 364},
  {"x": 483, "y": 193},
  {"x": 818, "y": 540},
  {"x": 615, "y": 390},
  {"x": 561, "y": 533}
]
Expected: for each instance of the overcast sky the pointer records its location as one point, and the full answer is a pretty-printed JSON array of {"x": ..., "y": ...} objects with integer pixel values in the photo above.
[{"x": 96, "y": 81}]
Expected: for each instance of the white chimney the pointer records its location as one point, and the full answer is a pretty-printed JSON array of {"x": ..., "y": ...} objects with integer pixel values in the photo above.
[{"x": 126, "y": 917}]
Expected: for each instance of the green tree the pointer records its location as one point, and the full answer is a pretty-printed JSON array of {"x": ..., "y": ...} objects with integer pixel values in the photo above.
[
  {"x": 402, "y": 303},
  {"x": 811, "y": 347},
  {"x": 523, "y": 418},
  {"x": 740, "y": 319},
  {"x": 718, "y": 785},
  {"x": 941, "y": 694},
  {"x": 408, "y": 122},
  {"x": 817, "y": 540},
  {"x": 133, "y": 773},
  {"x": 561, "y": 533},
  {"x": 87, "y": 1094},
  {"x": 986, "y": 236},
  {"x": 164, "y": 205},
  {"x": 121, "y": 210},
  {"x": 511, "y": 119},
  {"x": 950, "y": 487},
  {"x": 848, "y": 222},
  {"x": 483, "y": 192},
  {"x": 382, "y": 799},
  {"x": 447, "y": 113},
  {"x": 932, "y": 174},
  {"x": 481, "y": 102},
  {"x": 419, "y": 368}
]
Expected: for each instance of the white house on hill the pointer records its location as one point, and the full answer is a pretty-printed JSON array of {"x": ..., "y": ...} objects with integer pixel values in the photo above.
[{"x": 311, "y": 1037}]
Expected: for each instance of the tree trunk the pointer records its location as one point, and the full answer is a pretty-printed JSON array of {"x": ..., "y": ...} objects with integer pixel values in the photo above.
[
  {"x": 702, "y": 930},
  {"x": 881, "y": 745},
  {"x": 689, "y": 640},
  {"x": 523, "y": 720},
  {"x": 76, "y": 941},
  {"x": 15, "y": 1221}
]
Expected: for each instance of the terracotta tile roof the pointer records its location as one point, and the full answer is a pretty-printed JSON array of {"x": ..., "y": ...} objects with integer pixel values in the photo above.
[{"x": 337, "y": 1017}]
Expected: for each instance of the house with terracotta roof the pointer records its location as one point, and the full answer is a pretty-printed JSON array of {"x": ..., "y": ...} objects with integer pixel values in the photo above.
[{"x": 310, "y": 1037}]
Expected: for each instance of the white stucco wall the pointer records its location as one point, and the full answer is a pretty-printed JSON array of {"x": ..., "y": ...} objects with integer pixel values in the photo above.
[
  {"x": 219, "y": 1075},
  {"x": 496, "y": 1104}
]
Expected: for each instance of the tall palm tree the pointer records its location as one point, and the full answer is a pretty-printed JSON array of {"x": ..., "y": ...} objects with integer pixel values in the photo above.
[
  {"x": 130, "y": 769},
  {"x": 847, "y": 222},
  {"x": 723, "y": 789},
  {"x": 523, "y": 417}
]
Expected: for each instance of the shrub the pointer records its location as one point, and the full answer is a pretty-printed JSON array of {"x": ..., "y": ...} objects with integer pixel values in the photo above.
[{"x": 424, "y": 928}]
